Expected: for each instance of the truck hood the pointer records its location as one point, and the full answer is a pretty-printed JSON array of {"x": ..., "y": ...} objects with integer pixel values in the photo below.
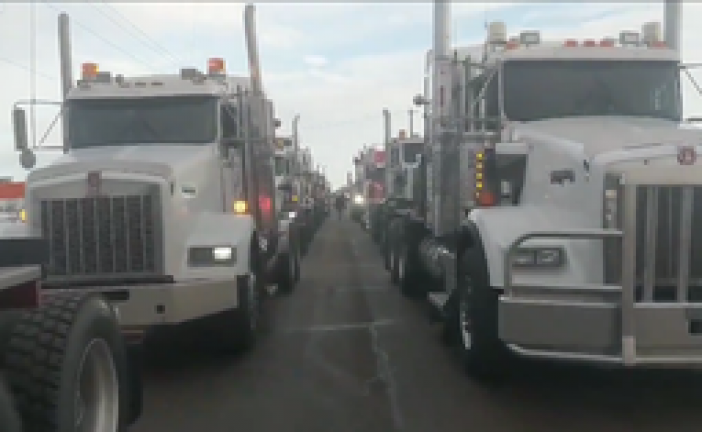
[
  {"x": 598, "y": 135},
  {"x": 161, "y": 160}
]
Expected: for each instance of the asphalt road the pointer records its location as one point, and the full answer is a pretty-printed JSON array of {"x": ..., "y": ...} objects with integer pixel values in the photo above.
[{"x": 346, "y": 353}]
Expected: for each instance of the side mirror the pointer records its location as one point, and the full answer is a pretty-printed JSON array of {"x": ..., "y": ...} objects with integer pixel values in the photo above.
[
  {"x": 27, "y": 159},
  {"x": 276, "y": 123},
  {"x": 19, "y": 121}
]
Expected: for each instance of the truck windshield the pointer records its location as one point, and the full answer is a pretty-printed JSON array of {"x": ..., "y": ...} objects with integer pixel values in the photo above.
[
  {"x": 410, "y": 151},
  {"x": 281, "y": 166},
  {"x": 162, "y": 120},
  {"x": 536, "y": 90}
]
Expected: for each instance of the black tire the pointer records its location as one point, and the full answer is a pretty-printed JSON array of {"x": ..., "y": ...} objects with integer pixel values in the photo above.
[
  {"x": 287, "y": 271},
  {"x": 409, "y": 276},
  {"x": 235, "y": 330},
  {"x": 44, "y": 355},
  {"x": 9, "y": 417},
  {"x": 385, "y": 249},
  {"x": 486, "y": 357}
]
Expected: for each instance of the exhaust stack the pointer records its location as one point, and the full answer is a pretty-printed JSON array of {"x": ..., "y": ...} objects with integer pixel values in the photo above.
[
  {"x": 66, "y": 64},
  {"x": 252, "y": 49},
  {"x": 672, "y": 18}
]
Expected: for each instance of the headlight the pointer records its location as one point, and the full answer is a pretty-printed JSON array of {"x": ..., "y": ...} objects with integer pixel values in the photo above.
[
  {"x": 211, "y": 256},
  {"x": 610, "y": 204},
  {"x": 358, "y": 199},
  {"x": 539, "y": 257},
  {"x": 292, "y": 214}
]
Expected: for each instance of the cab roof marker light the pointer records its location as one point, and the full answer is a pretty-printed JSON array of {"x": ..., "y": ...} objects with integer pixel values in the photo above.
[
  {"x": 651, "y": 33},
  {"x": 608, "y": 42},
  {"x": 570, "y": 43},
  {"x": 589, "y": 43},
  {"x": 629, "y": 38},
  {"x": 528, "y": 38}
]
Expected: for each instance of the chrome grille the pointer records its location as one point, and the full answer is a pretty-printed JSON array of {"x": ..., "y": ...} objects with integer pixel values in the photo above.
[
  {"x": 668, "y": 250},
  {"x": 101, "y": 236}
]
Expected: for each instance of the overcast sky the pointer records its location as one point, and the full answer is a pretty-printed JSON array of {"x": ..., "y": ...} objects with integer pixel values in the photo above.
[{"x": 337, "y": 65}]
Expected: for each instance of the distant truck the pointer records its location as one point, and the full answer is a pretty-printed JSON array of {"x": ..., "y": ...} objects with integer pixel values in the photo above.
[{"x": 164, "y": 201}]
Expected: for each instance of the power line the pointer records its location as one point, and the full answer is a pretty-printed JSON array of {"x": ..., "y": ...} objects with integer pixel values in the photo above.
[
  {"x": 144, "y": 35},
  {"x": 101, "y": 37},
  {"x": 26, "y": 68}
]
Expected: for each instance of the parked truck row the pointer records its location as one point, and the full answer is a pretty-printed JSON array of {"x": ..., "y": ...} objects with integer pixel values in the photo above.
[
  {"x": 166, "y": 209},
  {"x": 551, "y": 208}
]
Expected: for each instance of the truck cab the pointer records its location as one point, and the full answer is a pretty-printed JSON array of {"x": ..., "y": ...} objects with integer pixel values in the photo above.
[
  {"x": 561, "y": 194},
  {"x": 164, "y": 200}
]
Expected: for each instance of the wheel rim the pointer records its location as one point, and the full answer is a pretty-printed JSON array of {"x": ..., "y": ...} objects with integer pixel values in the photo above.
[
  {"x": 253, "y": 302},
  {"x": 464, "y": 316},
  {"x": 97, "y": 393}
]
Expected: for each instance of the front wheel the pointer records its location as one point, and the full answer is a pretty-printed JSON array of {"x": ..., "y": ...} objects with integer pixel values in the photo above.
[
  {"x": 482, "y": 353},
  {"x": 67, "y": 367}
]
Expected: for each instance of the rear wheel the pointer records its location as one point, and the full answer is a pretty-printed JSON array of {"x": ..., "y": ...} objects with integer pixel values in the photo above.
[
  {"x": 67, "y": 367},
  {"x": 408, "y": 274},
  {"x": 288, "y": 270}
]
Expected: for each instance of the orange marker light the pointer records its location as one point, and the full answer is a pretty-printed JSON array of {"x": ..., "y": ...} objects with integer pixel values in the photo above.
[
  {"x": 89, "y": 70},
  {"x": 215, "y": 66}
]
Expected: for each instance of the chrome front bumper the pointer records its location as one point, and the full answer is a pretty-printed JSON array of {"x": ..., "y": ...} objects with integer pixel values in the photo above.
[{"x": 613, "y": 324}]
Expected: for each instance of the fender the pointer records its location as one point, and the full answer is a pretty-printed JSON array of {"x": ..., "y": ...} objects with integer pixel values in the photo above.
[
  {"x": 219, "y": 229},
  {"x": 495, "y": 229}
]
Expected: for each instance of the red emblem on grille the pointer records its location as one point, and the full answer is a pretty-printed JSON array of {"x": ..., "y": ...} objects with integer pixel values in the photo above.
[
  {"x": 687, "y": 155},
  {"x": 93, "y": 181}
]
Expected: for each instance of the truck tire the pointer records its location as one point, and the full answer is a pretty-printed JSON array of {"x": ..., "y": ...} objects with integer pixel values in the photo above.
[
  {"x": 394, "y": 264},
  {"x": 57, "y": 353},
  {"x": 288, "y": 270},
  {"x": 482, "y": 353},
  {"x": 409, "y": 272},
  {"x": 9, "y": 417}
]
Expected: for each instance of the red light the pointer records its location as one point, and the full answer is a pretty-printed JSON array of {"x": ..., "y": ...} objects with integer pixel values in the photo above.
[
  {"x": 512, "y": 45},
  {"x": 658, "y": 44},
  {"x": 607, "y": 43},
  {"x": 590, "y": 43},
  {"x": 486, "y": 199},
  {"x": 90, "y": 70},
  {"x": 570, "y": 43},
  {"x": 215, "y": 66}
]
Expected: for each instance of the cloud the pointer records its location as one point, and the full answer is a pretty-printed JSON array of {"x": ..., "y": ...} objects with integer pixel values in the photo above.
[
  {"x": 336, "y": 64},
  {"x": 316, "y": 60}
]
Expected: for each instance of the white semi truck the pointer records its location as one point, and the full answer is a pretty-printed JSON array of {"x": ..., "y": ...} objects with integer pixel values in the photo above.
[
  {"x": 562, "y": 211},
  {"x": 402, "y": 182},
  {"x": 164, "y": 201}
]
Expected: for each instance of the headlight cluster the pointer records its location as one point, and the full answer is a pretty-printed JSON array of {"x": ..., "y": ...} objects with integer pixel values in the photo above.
[
  {"x": 545, "y": 257},
  {"x": 208, "y": 256},
  {"x": 358, "y": 199}
]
